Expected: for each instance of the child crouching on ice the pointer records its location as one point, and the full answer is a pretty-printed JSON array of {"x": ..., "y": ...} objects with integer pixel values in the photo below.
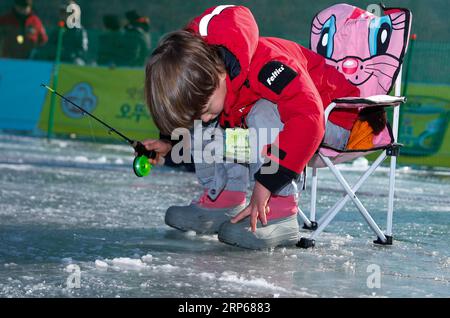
[{"x": 218, "y": 69}]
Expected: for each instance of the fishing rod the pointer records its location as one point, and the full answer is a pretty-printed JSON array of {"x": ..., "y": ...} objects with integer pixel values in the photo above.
[{"x": 141, "y": 164}]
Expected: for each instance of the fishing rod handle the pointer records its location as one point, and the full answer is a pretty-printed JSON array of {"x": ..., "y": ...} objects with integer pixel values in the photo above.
[{"x": 142, "y": 151}]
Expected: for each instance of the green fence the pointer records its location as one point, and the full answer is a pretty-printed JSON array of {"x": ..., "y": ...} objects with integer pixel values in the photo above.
[
  {"x": 430, "y": 61},
  {"x": 120, "y": 48}
]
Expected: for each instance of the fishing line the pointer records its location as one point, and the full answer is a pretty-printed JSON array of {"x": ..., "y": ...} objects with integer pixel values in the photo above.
[{"x": 91, "y": 130}]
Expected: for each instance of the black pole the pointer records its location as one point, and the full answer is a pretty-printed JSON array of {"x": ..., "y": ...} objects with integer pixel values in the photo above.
[{"x": 138, "y": 146}]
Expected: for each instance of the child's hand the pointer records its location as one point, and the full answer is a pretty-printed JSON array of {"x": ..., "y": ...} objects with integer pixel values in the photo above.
[
  {"x": 162, "y": 148},
  {"x": 257, "y": 209}
]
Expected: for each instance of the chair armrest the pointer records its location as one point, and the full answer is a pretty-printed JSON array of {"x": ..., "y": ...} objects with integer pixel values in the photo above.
[
  {"x": 376, "y": 100},
  {"x": 358, "y": 102}
]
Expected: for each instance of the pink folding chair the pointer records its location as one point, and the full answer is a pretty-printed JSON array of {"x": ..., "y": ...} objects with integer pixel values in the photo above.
[{"x": 369, "y": 50}]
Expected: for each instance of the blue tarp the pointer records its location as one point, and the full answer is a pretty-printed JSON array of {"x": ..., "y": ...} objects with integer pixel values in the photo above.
[{"x": 21, "y": 97}]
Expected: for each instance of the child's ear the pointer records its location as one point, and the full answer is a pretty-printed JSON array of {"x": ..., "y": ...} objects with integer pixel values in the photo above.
[{"x": 222, "y": 76}]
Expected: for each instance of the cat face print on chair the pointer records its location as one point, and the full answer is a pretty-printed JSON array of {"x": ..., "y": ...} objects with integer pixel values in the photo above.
[{"x": 366, "y": 48}]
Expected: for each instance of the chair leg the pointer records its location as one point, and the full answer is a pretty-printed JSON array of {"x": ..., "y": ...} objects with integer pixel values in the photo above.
[
  {"x": 332, "y": 212},
  {"x": 311, "y": 223},
  {"x": 357, "y": 185},
  {"x": 313, "y": 195},
  {"x": 307, "y": 224},
  {"x": 390, "y": 214},
  {"x": 306, "y": 243},
  {"x": 391, "y": 195},
  {"x": 310, "y": 226},
  {"x": 355, "y": 199}
]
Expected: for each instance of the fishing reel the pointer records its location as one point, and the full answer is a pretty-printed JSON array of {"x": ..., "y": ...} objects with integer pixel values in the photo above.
[{"x": 141, "y": 163}]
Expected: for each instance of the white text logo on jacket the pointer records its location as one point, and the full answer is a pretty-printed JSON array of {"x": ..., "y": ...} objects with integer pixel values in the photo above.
[{"x": 275, "y": 74}]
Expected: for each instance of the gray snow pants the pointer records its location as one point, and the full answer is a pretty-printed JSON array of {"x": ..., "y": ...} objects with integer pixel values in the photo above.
[{"x": 217, "y": 176}]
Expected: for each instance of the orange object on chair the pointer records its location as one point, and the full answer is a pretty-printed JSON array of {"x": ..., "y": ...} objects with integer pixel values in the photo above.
[{"x": 361, "y": 136}]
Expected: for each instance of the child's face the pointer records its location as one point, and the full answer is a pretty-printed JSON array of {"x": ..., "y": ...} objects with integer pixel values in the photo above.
[{"x": 215, "y": 104}]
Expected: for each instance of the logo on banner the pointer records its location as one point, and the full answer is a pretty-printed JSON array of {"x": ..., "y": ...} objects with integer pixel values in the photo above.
[{"x": 81, "y": 94}]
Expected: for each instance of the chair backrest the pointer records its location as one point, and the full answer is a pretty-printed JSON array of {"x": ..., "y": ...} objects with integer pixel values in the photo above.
[{"x": 366, "y": 48}]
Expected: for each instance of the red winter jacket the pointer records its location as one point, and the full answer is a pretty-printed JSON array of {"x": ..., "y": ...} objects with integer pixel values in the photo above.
[
  {"x": 21, "y": 34},
  {"x": 287, "y": 74}
]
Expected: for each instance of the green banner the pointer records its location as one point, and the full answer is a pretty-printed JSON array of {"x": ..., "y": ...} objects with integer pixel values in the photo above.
[
  {"x": 424, "y": 130},
  {"x": 115, "y": 95}
]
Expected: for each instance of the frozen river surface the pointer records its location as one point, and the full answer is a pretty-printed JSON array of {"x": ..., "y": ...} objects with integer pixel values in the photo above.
[{"x": 72, "y": 214}]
